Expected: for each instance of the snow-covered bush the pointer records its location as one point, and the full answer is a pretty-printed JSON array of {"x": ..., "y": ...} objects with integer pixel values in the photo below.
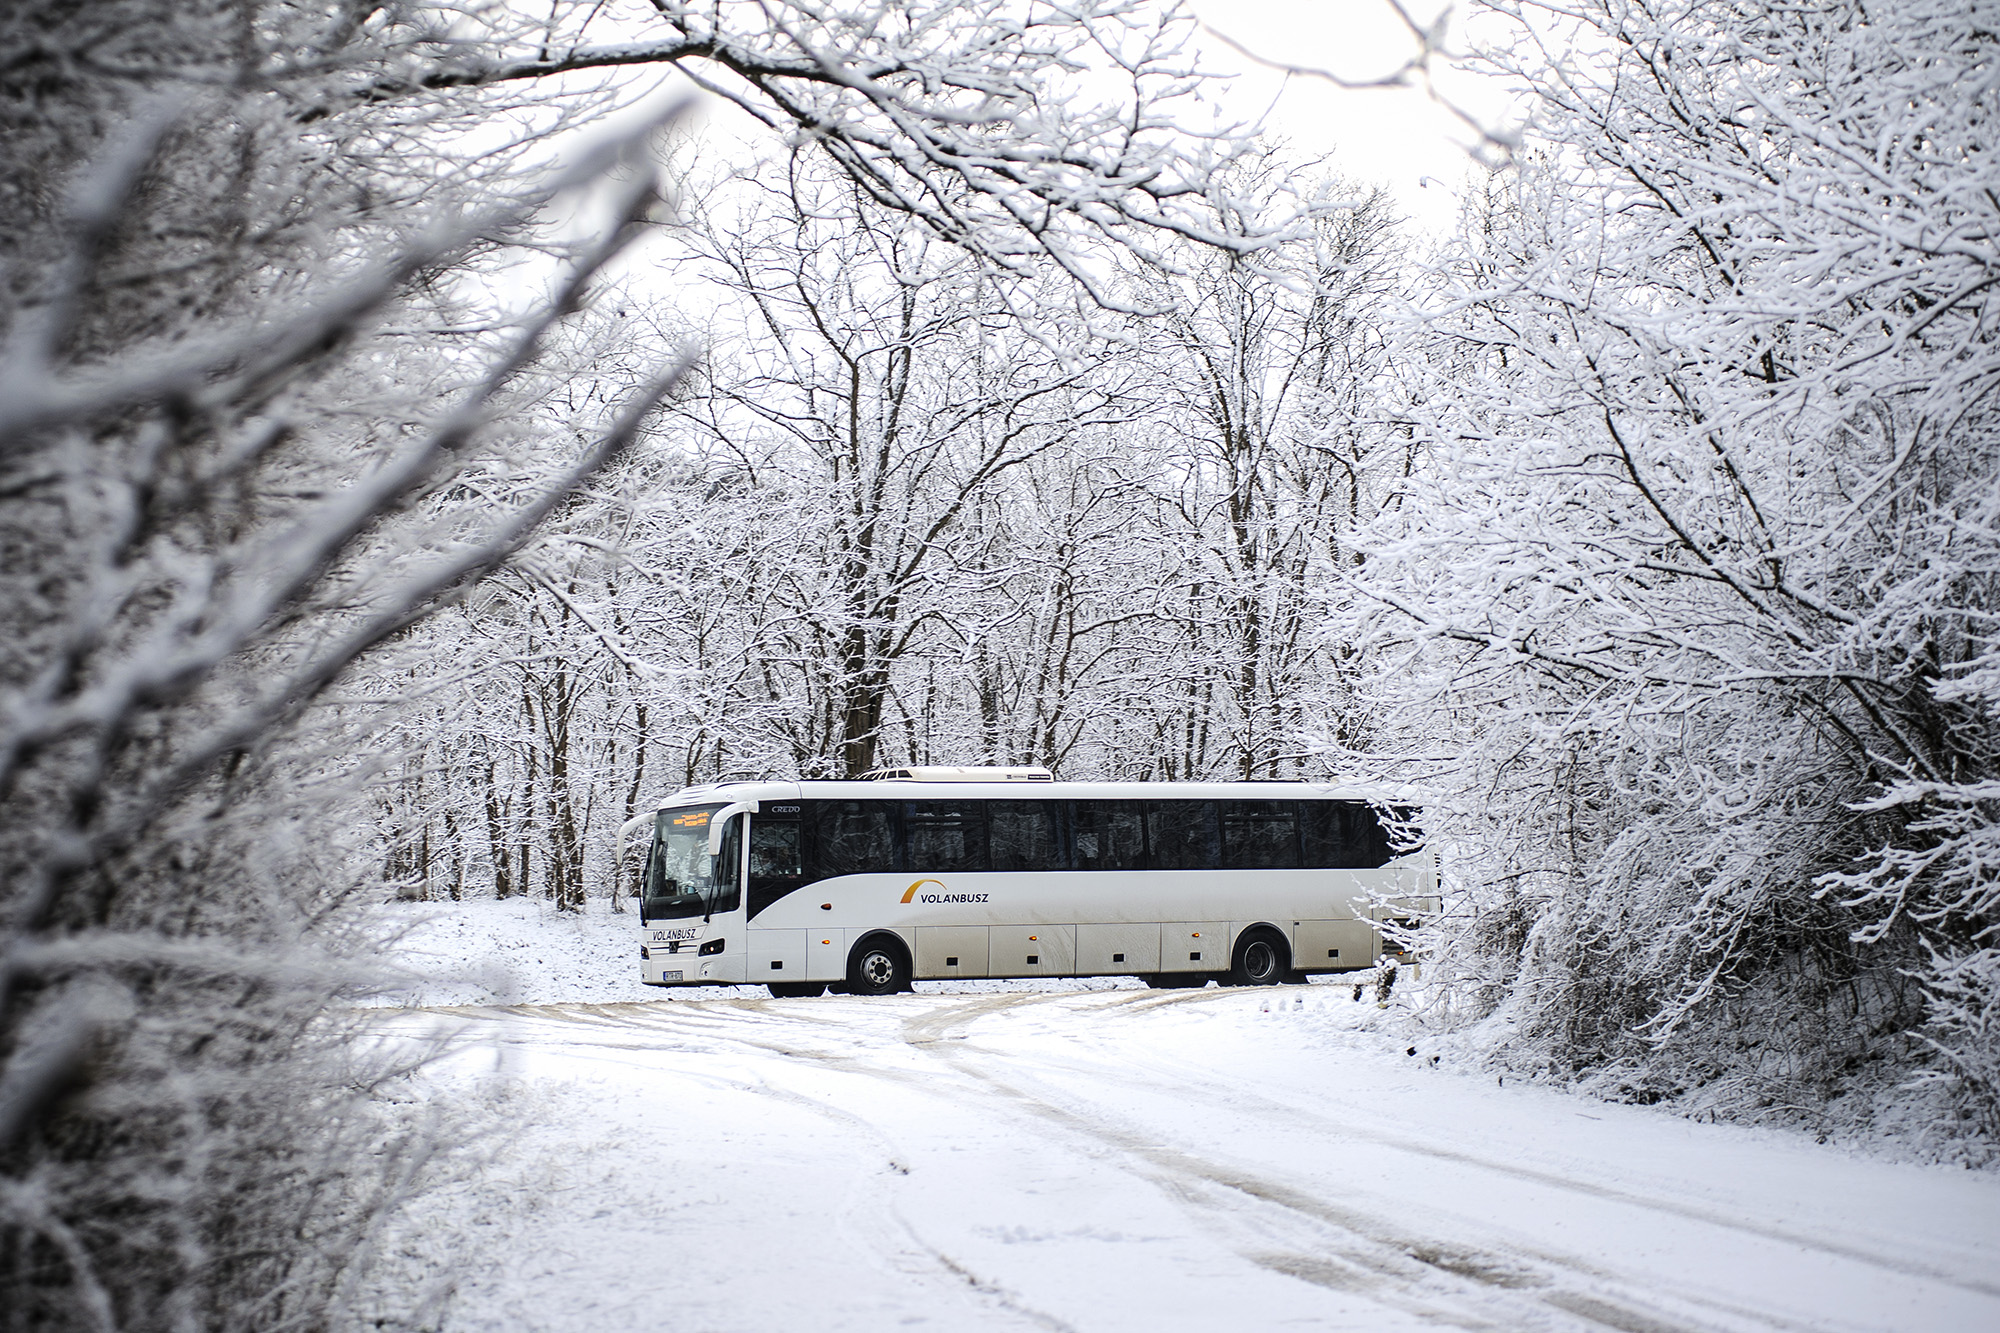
[{"x": 1684, "y": 615}]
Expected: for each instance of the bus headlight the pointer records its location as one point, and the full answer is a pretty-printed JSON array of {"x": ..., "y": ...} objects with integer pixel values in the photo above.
[{"x": 713, "y": 946}]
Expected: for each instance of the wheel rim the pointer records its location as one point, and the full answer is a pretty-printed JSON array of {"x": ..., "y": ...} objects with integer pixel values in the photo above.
[
  {"x": 1260, "y": 961},
  {"x": 876, "y": 969}
]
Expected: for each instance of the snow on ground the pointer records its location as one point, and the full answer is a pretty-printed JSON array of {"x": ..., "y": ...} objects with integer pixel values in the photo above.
[
  {"x": 1030, "y": 1156},
  {"x": 514, "y": 951},
  {"x": 523, "y": 951}
]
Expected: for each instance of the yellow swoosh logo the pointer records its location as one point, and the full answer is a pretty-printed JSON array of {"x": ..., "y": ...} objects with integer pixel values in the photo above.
[{"x": 911, "y": 892}]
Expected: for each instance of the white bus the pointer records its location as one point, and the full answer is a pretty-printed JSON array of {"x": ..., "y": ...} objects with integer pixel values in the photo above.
[{"x": 926, "y": 874}]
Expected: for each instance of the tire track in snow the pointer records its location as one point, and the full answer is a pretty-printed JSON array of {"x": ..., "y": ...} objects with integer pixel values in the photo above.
[
  {"x": 1385, "y": 1265},
  {"x": 903, "y": 1238},
  {"x": 1388, "y": 1263},
  {"x": 1184, "y": 1075},
  {"x": 1339, "y": 1248},
  {"x": 698, "y": 1022}
]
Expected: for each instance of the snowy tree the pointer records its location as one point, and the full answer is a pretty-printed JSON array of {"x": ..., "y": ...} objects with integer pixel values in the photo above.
[
  {"x": 1684, "y": 620},
  {"x": 1021, "y": 132},
  {"x": 1267, "y": 466},
  {"x": 211, "y": 424},
  {"x": 250, "y": 420},
  {"x": 884, "y": 388}
]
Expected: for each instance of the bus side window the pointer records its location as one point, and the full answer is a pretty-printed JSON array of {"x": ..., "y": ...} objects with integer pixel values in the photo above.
[
  {"x": 1380, "y": 836},
  {"x": 853, "y": 838},
  {"x": 944, "y": 836},
  {"x": 1341, "y": 835},
  {"x": 1323, "y": 834},
  {"x": 1259, "y": 835},
  {"x": 1182, "y": 835},
  {"x": 1108, "y": 835},
  {"x": 1022, "y": 835},
  {"x": 774, "y": 850},
  {"x": 1367, "y": 838}
]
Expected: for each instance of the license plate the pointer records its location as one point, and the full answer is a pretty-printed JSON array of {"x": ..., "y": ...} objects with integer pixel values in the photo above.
[{"x": 670, "y": 976}]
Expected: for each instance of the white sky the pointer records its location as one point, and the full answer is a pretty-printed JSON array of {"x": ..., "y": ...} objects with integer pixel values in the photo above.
[{"x": 1403, "y": 138}]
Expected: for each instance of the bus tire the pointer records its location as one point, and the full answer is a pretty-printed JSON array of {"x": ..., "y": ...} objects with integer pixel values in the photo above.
[
  {"x": 1261, "y": 959},
  {"x": 796, "y": 990},
  {"x": 879, "y": 965}
]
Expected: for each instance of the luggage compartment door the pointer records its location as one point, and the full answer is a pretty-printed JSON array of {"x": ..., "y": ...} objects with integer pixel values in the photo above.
[
  {"x": 1118, "y": 950},
  {"x": 1033, "y": 951},
  {"x": 826, "y": 955},
  {"x": 1335, "y": 946},
  {"x": 951, "y": 951},
  {"x": 1194, "y": 946}
]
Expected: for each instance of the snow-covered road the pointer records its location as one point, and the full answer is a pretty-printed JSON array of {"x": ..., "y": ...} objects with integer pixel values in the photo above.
[{"x": 1135, "y": 1160}]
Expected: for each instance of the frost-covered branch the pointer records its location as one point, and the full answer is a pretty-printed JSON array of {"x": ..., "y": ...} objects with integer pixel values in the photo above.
[{"x": 1022, "y": 131}]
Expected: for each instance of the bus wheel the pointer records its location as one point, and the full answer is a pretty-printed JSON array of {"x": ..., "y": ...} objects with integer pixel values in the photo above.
[
  {"x": 1260, "y": 960},
  {"x": 878, "y": 966},
  {"x": 796, "y": 990}
]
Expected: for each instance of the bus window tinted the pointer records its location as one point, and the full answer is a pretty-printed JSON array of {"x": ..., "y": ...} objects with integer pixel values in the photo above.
[
  {"x": 1259, "y": 835},
  {"x": 1109, "y": 835},
  {"x": 943, "y": 836},
  {"x": 852, "y": 838},
  {"x": 774, "y": 851},
  {"x": 1181, "y": 835},
  {"x": 1021, "y": 835},
  {"x": 1342, "y": 835}
]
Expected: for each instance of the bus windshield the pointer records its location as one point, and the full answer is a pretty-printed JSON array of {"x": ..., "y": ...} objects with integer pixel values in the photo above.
[{"x": 682, "y": 879}]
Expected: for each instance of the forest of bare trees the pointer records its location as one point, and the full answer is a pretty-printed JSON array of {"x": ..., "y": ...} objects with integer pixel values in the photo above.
[
  {"x": 265, "y": 418},
  {"x": 1644, "y": 531},
  {"x": 911, "y": 511}
]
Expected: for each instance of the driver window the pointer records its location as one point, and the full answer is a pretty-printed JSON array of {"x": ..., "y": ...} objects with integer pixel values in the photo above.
[{"x": 729, "y": 867}]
